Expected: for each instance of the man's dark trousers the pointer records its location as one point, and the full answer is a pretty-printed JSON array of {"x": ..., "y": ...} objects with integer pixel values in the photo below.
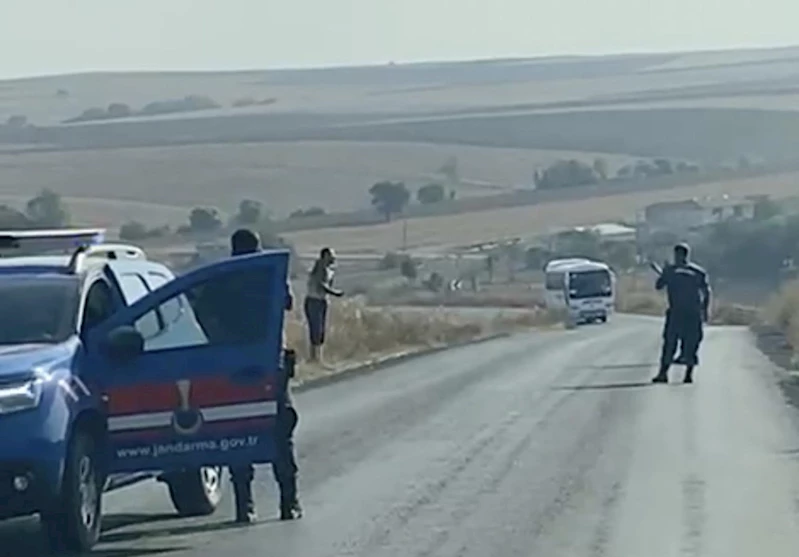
[
  {"x": 683, "y": 328},
  {"x": 284, "y": 465}
]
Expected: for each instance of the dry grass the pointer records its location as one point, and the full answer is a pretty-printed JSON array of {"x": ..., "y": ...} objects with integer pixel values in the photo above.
[
  {"x": 359, "y": 334},
  {"x": 782, "y": 312},
  {"x": 454, "y": 230}
]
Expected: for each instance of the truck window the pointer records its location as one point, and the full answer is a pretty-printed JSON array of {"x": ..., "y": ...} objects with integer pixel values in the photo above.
[
  {"x": 172, "y": 308},
  {"x": 99, "y": 305},
  {"x": 134, "y": 288}
]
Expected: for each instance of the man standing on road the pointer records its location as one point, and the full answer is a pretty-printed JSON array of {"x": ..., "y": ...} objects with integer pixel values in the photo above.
[
  {"x": 284, "y": 466},
  {"x": 320, "y": 286},
  {"x": 689, "y": 302}
]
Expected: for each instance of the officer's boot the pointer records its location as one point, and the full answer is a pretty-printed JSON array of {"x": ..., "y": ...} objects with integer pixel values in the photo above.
[
  {"x": 290, "y": 509},
  {"x": 245, "y": 504},
  {"x": 689, "y": 374},
  {"x": 662, "y": 376}
]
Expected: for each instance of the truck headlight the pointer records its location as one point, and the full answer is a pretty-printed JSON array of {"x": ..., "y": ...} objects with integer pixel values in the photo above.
[{"x": 20, "y": 396}]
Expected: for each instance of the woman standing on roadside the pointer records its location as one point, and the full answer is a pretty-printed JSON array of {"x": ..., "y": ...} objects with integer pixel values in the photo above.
[{"x": 320, "y": 286}]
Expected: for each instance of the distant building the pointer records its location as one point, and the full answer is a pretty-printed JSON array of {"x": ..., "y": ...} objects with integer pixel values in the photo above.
[
  {"x": 691, "y": 213},
  {"x": 671, "y": 215}
]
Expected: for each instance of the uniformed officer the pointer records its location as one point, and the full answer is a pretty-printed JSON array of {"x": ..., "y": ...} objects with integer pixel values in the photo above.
[
  {"x": 686, "y": 284},
  {"x": 284, "y": 466}
]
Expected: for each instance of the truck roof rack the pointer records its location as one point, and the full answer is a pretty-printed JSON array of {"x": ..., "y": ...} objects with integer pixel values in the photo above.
[
  {"x": 38, "y": 242},
  {"x": 79, "y": 243}
]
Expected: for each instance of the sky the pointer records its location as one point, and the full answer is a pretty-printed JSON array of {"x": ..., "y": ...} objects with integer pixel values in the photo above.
[{"x": 40, "y": 37}]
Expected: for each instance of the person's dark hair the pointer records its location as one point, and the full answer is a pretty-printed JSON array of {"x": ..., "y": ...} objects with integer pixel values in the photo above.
[
  {"x": 325, "y": 252},
  {"x": 682, "y": 250},
  {"x": 244, "y": 241}
]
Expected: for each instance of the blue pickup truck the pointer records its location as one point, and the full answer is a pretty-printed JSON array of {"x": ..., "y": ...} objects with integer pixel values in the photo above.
[{"x": 113, "y": 370}]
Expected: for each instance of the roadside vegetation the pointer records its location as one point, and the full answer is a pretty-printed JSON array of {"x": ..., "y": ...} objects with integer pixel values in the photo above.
[{"x": 359, "y": 334}]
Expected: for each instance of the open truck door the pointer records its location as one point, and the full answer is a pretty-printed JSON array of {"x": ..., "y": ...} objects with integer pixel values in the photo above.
[{"x": 189, "y": 374}]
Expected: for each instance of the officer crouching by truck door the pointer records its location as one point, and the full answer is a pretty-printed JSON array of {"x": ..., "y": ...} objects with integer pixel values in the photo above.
[
  {"x": 284, "y": 466},
  {"x": 689, "y": 302}
]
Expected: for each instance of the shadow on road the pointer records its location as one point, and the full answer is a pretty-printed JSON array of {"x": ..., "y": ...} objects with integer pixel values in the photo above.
[
  {"x": 113, "y": 522},
  {"x": 176, "y": 530},
  {"x": 645, "y": 365},
  {"x": 23, "y": 537},
  {"x": 605, "y": 386},
  {"x": 133, "y": 552}
]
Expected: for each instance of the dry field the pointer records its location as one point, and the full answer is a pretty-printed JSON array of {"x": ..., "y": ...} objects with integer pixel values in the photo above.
[
  {"x": 403, "y": 88},
  {"x": 455, "y": 230},
  {"x": 160, "y": 185}
]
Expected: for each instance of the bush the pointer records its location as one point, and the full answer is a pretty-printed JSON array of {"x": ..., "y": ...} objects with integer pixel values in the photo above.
[
  {"x": 567, "y": 173},
  {"x": 304, "y": 213},
  {"x": 47, "y": 210},
  {"x": 135, "y": 231},
  {"x": 250, "y": 212},
  {"x": 119, "y": 110},
  {"x": 204, "y": 220},
  {"x": 11, "y": 219},
  {"x": 189, "y": 103},
  {"x": 430, "y": 194},
  {"x": 17, "y": 122},
  {"x": 391, "y": 260},
  {"x": 408, "y": 269}
]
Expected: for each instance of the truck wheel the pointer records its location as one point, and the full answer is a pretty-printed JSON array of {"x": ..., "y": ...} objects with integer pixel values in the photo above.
[
  {"x": 72, "y": 523},
  {"x": 196, "y": 492}
]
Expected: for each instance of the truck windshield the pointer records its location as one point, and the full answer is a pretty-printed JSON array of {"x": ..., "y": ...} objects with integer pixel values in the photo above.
[
  {"x": 37, "y": 310},
  {"x": 589, "y": 284}
]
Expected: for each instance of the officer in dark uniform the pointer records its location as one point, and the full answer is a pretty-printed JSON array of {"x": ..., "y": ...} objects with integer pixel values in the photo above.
[
  {"x": 284, "y": 466},
  {"x": 689, "y": 301}
]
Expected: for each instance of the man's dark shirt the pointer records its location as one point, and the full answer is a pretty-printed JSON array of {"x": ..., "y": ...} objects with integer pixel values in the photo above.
[{"x": 687, "y": 288}]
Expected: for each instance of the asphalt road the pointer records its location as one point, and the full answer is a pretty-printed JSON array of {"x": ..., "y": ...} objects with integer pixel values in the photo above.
[{"x": 550, "y": 444}]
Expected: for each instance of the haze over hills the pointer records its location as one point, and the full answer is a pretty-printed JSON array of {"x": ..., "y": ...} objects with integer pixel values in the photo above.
[{"x": 707, "y": 107}]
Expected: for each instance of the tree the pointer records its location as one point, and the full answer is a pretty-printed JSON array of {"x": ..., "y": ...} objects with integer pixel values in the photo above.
[
  {"x": 11, "y": 219},
  {"x": 430, "y": 194},
  {"x": 389, "y": 198},
  {"x": 310, "y": 212},
  {"x": 250, "y": 212},
  {"x": 408, "y": 269},
  {"x": 567, "y": 173},
  {"x": 133, "y": 231},
  {"x": 450, "y": 170},
  {"x": 536, "y": 257},
  {"x": 765, "y": 209},
  {"x": 119, "y": 110},
  {"x": 663, "y": 166},
  {"x": 204, "y": 220},
  {"x": 17, "y": 121},
  {"x": 601, "y": 168},
  {"x": 47, "y": 210}
]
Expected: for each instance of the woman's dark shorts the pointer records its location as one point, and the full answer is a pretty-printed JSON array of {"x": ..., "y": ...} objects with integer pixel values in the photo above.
[{"x": 316, "y": 316}]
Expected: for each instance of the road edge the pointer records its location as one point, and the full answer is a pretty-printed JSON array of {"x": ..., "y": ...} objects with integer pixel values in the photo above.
[{"x": 390, "y": 360}]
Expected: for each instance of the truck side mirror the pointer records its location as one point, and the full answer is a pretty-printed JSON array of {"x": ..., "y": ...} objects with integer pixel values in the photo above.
[{"x": 124, "y": 344}]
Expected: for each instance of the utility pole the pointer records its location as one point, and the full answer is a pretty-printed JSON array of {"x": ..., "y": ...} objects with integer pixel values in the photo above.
[{"x": 404, "y": 234}]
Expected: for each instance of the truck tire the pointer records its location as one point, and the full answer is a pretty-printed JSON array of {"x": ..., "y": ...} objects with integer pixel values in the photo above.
[
  {"x": 72, "y": 523},
  {"x": 196, "y": 492}
]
